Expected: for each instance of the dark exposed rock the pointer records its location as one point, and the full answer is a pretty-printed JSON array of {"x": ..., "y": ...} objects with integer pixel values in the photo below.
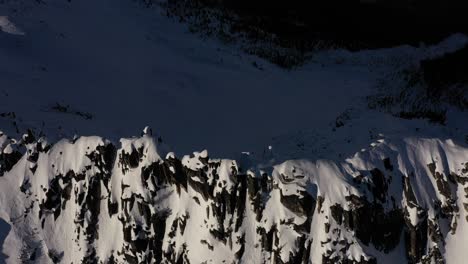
[
  {"x": 198, "y": 181},
  {"x": 55, "y": 256},
  {"x": 8, "y": 160},
  {"x": 449, "y": 208},
  {"x": 302, "y": 206},
  {"x": 434, "y": 256},
  {"x": 372, "y": 224},
  {"x": 327, "y": 259},
  {"x": 130, "y": 160},
  {"x": 204, "y": 242},
  {"x": 29, "y": 137},
  {"x": 380, "y": 186},
  {"x": 91, "y": 257},
  {"x": 320, "y": 201},
  {"x": 266, "y": 238},
  {"x": 387, "y": 164},
  {"x": 416, "y": 238},
  {"x": 434, "y": 232},
  {"x": 112, "y": 208}
]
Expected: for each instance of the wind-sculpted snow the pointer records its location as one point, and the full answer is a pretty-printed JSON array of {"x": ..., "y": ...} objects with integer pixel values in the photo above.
[{"x": 89, "y": 200}]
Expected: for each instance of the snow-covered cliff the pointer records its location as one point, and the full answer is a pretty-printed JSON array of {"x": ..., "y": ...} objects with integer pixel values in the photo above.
[{"x": 89, "y": 200}]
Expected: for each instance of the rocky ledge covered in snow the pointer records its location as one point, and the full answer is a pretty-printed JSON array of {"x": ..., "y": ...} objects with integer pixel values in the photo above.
[{"x": 89, "y": 200}]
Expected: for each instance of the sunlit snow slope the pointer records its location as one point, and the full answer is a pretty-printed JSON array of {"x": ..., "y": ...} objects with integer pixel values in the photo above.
[{"x": 91, "y": 201}]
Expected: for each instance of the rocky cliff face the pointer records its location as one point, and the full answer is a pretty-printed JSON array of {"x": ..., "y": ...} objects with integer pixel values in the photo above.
[{"x": 89, "y": 200}]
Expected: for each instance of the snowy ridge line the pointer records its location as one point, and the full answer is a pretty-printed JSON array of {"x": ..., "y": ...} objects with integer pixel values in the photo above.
[{"x": 88, "y": 201}]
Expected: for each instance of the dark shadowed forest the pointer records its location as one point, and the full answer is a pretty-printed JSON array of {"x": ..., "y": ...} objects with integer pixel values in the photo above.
[{"x": 350, "y": 23}]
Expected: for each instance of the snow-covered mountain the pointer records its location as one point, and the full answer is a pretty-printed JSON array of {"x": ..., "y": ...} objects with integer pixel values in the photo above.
[
  {"x": 88, "y": 200},
  {"x": 331, "y": 162}
]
